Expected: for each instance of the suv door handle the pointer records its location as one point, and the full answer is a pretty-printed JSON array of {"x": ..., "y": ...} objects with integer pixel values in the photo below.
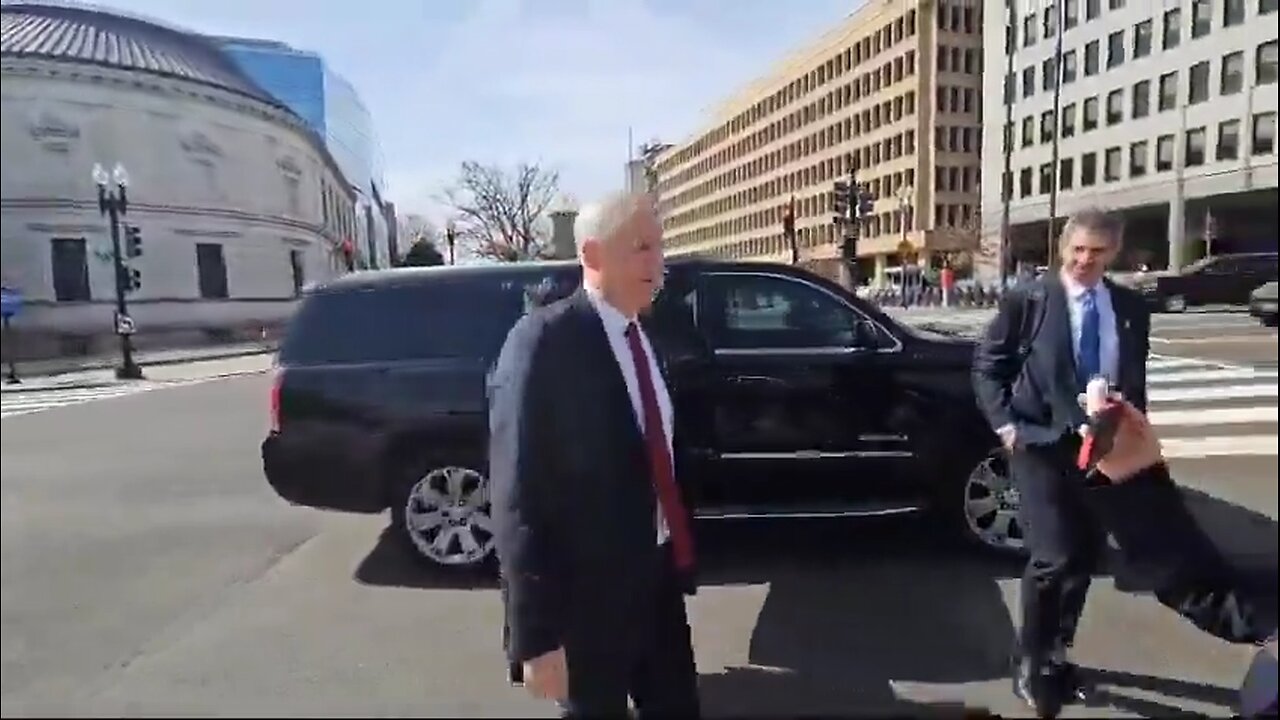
[{"x": 755, "y": 380}]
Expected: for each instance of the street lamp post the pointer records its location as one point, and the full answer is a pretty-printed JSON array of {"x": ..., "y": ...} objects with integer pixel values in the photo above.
[
  {"x": 114, "y": 203},
  {"x": 451, "y": 239},
  {"x": 904, "y": 195}
]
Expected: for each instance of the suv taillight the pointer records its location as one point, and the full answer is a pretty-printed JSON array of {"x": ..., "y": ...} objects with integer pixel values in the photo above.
[{"x": 276, "y": 381}]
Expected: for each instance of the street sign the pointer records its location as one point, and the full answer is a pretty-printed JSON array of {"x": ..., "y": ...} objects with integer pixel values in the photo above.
[
  {"x": 10, "y": 302},
  {"x": 124, "y": 324}
]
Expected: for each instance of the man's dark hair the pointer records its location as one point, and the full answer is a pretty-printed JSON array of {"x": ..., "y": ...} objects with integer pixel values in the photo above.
[{"x": 1097, "y": 221}]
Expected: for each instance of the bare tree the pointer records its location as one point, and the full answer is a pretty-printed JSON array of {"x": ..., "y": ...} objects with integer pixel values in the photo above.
[
  {"x": 416, "y": 227},
  {"x": 501, "y": 215}
]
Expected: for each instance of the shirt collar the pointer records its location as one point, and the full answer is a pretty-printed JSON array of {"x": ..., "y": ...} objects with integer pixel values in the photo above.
[{"x": 612, "y": 317}]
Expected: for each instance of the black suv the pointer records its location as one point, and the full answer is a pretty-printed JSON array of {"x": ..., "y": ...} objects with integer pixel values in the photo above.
[
  {"x": 794, "y": 399},
  {"x": 1216, "y": 280}
]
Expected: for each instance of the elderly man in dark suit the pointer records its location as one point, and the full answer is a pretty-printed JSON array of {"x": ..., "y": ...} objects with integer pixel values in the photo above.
[{"x": 593, "y": 535}]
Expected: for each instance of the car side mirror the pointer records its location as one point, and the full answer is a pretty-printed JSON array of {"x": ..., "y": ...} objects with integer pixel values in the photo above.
[{"x": 866, "y": 335}]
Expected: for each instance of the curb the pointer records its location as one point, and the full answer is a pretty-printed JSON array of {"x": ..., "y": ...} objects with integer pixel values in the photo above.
[{"x": 86, "y": 384}]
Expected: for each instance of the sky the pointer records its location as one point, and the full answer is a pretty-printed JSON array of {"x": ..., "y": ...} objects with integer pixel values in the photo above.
[{"x": 556, "y": 82}]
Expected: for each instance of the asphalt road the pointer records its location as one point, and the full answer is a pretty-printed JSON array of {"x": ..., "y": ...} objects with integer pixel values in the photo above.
[{"x": 147, "y": 569}]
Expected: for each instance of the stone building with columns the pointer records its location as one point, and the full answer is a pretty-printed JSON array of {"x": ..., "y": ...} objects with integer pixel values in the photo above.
[
  {"x": 1166, "y": 112},
  {"x": 238, "y": 203}
]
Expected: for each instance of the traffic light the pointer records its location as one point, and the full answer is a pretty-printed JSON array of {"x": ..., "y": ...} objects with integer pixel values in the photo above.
[
  {"x": 130, "y": 279},
  {"x": 132, "y": 241},
  {"x": 840, "y": 201},
  {"x": 866, "y": 203}
]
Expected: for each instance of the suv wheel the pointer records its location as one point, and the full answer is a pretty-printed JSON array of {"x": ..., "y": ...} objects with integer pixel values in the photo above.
[
  {"x": 989, "y": 505},
  {"x": 445, "y": 516}
]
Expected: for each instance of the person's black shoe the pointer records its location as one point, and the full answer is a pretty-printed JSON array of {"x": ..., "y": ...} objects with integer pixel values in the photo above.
[
  {"x": 1038, "y": 687},
  {"x": 1075, "y": 688}
]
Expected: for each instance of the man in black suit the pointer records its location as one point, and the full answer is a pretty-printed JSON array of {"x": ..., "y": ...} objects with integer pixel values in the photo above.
[
  {"x": 1048, "y": 339},
  {"x": 593, "y": 535}
]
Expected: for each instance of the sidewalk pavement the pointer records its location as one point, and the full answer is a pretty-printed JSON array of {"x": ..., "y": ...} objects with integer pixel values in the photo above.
[{"x": 99, "y": 371}]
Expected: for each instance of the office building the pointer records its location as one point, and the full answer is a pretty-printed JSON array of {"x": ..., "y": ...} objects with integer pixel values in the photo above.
[
  {"x": 305, "y": 83},
  {"x": 1166, "y": 112},
  {"x": 893, "y": 91},
  {"x": 238, "y": 202}
]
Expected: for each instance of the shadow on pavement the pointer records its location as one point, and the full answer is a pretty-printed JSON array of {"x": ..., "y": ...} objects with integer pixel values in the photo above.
[{"x": 854, "y": 607}]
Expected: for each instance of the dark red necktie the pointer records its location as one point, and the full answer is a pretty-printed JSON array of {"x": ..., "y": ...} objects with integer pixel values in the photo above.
[{"x": 664, "y": 477}]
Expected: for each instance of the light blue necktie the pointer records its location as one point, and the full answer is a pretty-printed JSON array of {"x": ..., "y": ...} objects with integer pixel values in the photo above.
[{"x": 1089, "y": 358}]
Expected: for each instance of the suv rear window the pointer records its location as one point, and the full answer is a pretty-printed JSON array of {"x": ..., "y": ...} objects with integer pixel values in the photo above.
[{"x": 446, "y": 318}]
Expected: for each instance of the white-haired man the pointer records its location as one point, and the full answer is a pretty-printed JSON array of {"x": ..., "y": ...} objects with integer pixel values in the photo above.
[{"x": 592, "y": 531}]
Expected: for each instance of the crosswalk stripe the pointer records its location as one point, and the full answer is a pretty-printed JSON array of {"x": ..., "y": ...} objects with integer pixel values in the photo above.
[
  {"x": 1219, "y": 445},
  {"x": 1214, "y": 375},
  {"x": 1158, "y": 362},
  {"x": 1213, "y": 416},
  {"x": 1221, "y": 392}
]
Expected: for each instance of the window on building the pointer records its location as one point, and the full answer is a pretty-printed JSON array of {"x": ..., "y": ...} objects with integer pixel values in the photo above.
[
  {"x": 1066, "y": 174},
  {"x": 1049, "y": 21},
  {"x": 1069, "y": 68},
  {"x": 1010, "y": 83},
  {"x": 298, "y": 271},
  {"x": 1115, "y": 49},
  {"x": 1046, "y": 126},
  {"x": 1046, "y": 75},
  {"x": 1028, "y": 30},
  {"x": 1046, "y": 179},
  {"x": 1090, "y": 114},
  {"x": 1265, "y": 63},
  {"x": 1232, "y": 80},
  {"x": 1138, "y": 159},
  {"x": 1115, "y": 107},
  {"x": 1069, "y": 121},
  {"x": 1111, "y": 168},
  {"x": 1194, "y": 151},
  {"x": 1028, "y": 131},
  {"x": 1091, "y": 58},
  {"x": 1198, "y": 83},
  {"x": 1172, "y": 28},
  {"x": 1228, "y": 140},
  {"x": 1141, "y": 99},
  {"x": 1142, "y": 39},
  {"x": 1028, "y": 81},
  {"x": 1092, "y": 9},
  {"x": 69, "y": 260},
  {"x": 211, "y": 270},
  {"x": 1232, "y": 13},
  {"x": 1088, "y": 170},
  {"x": 1168, "y": 91},
  {"x": 1264, "y": 133},
  {"x": 1164, "y": 153},
  {"x": 1201, "y": 18},
  {"x": 1025, "y": 186},
  {"x": 1071, "y": 13},
  {"x": 1267, "y": 6},
  {"x": 1115, "y": 4}
]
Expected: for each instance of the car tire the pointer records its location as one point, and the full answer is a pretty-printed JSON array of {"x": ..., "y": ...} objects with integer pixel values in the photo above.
[
  {"x": 982, "y": 506},
  {"x": 440, "y": 513},
  {"x": 1175, "y": 304}
]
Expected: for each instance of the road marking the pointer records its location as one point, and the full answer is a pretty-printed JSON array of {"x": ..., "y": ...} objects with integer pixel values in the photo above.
[
  {"x": 15, "y": 404},
  {"x": 1159, "y": 362},
  {"x": 1213, "y": 416},
  {"x": 1215, "y": 340},
  {"x": 1218, "y": 446},
  {"x": 1216, "y": 374},
  {"x": 1221, "y": 392}
]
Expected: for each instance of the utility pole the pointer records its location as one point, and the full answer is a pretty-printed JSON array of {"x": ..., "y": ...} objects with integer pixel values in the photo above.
[
  {"x": 115, "y": 204},
  {"x": 451, "y": 239},
  {"x": 844, "y": 203},
  {"x": 789, "y": 229},
  {"x": 1006, "y": 182},
  {"x": 1051, "y": 238}
]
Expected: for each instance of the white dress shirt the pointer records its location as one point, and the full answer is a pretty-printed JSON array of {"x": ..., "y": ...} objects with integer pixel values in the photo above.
[
  {"x": 615, "y": 328},
  {"x": 1109, "y": 348}
]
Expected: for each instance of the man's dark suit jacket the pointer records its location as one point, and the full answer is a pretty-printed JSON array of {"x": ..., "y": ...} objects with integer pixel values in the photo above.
[
  {"x": 573, "y": 503},
  {"x": 1024, "y": 368}
]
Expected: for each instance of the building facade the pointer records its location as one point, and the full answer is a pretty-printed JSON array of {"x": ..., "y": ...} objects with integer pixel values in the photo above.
[
  {"x": 306, "y": 84},
  {"x": 238, "y": 203},
  {"x": 894, "y": 92},
  {"x": 1165, "y": 111}
]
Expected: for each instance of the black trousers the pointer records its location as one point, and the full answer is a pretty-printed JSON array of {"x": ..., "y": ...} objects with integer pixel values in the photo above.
[
  {"x": 1064, "y": 541},
  {"x": 1162, "y": 549},
  {"x": 658, "y": 673}
]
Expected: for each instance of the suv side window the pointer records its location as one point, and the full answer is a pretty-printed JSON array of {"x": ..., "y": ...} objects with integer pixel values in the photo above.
[{"x": 758, "y": 311}]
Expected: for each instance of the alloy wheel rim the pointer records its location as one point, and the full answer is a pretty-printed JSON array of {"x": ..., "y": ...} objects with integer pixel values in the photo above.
[
  {"x": 447, "y": 516},
  {"x": 991, "y": 504}
]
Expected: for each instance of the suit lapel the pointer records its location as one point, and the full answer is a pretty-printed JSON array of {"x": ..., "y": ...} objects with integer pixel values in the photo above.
[
  {"x": 1124, "y": 332},
  {"x": 1058, "y": 318},
  {"x": 597, "y": 353}
]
